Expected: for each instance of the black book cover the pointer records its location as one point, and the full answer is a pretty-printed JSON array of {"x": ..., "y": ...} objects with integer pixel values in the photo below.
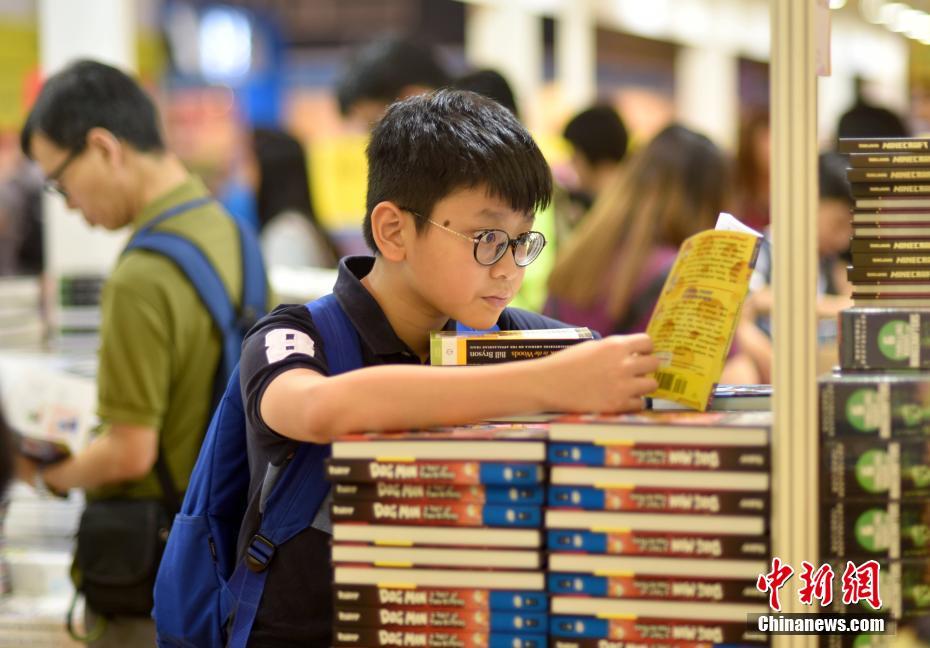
[
  {"x": 875, "y": 470},
  {"x": 872, "y": 174},
  {"x": 885, "y": 245},
  {"x": 886, "y": 160},
  {"x": 883, "y": 145},
  {"x": 875, "y": 405},
  {"x": 884, "y": 339},
  {"x": 879, "y": 530},
  {"x": 881, "y": 189},
  {"x": 878, "y": 274},
  {"x": 879, "y": 259}
]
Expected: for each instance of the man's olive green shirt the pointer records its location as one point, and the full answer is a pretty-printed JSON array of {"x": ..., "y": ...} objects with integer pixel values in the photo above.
[{"x": 160, "y": 350}]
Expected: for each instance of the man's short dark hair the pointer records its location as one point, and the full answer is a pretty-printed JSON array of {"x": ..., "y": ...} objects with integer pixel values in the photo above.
[
  {"x": 382, "y": 69},
  {"x": 87, "y": 95},
  {"x": 832, "y": 180},
  {"x": 428, "y": 146},
  {"x": 598, "y": 133}
]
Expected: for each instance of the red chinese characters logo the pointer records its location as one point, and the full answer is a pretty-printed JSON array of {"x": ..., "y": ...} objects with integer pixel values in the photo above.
[
  {"x": 817, "y": 585},
  {"x": 773, "y": 581},
  {"x": 861, "y": 584}
]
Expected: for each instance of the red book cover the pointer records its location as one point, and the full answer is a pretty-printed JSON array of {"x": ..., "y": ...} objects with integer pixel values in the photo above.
[
  {"x": 663, "y": 500},
  {"x": 430, "y": 513},
  {"x": 438, "y": 597},
  {"x": 649, "y": 630},
  {"x": 399, "y": 491},
  {"x": 438, "y": 472},
  {"x": 671, "y": 545},
  {"x": 470, "y": 620},
  {"x": 376, "y": 637}
]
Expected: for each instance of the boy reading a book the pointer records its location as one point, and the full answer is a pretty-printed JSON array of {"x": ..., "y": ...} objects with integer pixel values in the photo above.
[{"x": 453, "y": 182}]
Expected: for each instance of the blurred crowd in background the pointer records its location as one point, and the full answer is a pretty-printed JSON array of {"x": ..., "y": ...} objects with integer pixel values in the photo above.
[{"x": 270, "y": 103}]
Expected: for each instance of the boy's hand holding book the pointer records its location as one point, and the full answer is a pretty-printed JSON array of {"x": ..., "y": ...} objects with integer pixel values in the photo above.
[{"x": 609, "y": 375}]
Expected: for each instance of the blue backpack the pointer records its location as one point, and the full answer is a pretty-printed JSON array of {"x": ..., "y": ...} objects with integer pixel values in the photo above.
[
  {"x": 199, "y": 585},
  {"x": 205, "y": 280}
]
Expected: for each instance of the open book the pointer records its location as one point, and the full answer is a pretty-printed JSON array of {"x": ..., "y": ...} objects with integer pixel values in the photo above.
[
  {"x": 696, "y": 316},
  {"x": 51, "y": 410}
]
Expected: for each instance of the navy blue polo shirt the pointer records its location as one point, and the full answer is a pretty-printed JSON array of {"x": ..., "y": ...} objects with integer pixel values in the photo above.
[{"x": 296, "y": 607}]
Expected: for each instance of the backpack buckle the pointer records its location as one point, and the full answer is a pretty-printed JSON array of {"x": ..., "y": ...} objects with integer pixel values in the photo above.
[{"x": 259, "y": 554}]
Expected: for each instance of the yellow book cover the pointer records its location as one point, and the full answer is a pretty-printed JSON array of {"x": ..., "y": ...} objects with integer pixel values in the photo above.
[{"x": 696, "y": 316}]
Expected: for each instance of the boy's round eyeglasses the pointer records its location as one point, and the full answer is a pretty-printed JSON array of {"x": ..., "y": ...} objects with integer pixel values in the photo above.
[
  {"x": 52, "y": 182},
  {"x": 492, "y": 244}
]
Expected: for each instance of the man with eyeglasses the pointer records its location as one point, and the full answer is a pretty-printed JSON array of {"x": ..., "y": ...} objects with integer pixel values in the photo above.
[
  {"x": 94, "y": 134},
  {"x": 453, "y": 183}
]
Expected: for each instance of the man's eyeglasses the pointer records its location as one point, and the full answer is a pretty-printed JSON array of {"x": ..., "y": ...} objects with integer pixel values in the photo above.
[
  {"x": 52, "y": 182},
  {"x": 492, "y": 244}
]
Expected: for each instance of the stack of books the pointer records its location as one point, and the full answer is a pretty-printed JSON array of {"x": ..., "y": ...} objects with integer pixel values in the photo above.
[
  {"x": 76, "y": 327},
  {"x": 875, "y": 489},
  {"x": 657, "y": 527},
  {"x": 21, "y": 313},
  {"x": 890, "y": 181},
  {"x": 875, "y": 411},
  {"x": 437, "y": 537}
]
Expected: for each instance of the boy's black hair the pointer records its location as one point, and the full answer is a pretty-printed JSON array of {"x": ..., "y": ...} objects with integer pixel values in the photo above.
[
  {"x": 382, "y": 69},
  {"x": 598, "y": 133},
  {"x": 491, "y": 84},
  {"x": 832, "y": 180},
  {"x": 428, "y": 146},
  {"x": 87, "y": 95}
]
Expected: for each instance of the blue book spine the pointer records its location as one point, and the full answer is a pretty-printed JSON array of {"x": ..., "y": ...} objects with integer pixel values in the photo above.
[
  {"x": 576, "y": 584},
  {"x": 519, "y": 622},
  {"x": 512, "y": 516},
  {"x": 576, "y": 453},
  {"x": 579, "y": 626},
  {"x": 577, "y": 496},
  {"x": 528, "y": 601},
  {"x": 514, "y": 495},
  {"x": 577, "y": 541},
  {"x": 502, "y": 474},
  {"x": 496, "y": 640}
]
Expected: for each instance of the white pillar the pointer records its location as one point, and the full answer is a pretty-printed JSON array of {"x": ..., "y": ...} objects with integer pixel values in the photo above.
[
  {"x": 103, "y": 30},
  {"x": 507, "y": 38},
  {"x": 795, "y": 435},
  {"x": 707, "y": 92},
  {"x": 575, "y": 55}
]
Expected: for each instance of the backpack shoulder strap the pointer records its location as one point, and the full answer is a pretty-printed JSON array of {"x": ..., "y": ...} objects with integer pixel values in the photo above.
[
  {"x": 205, "y": 280},
  {"x": 190, "y": 259},
  {"x": 341, "y": 343},
  {"x": 302, "y": 488}
]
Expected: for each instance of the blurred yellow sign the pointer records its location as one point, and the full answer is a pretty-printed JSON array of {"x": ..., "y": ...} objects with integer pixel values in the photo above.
[{"x": 339, "y": 180}]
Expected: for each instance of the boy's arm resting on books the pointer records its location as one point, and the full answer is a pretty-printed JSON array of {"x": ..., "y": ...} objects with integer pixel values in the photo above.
[{"x": 609, "y": 375}]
